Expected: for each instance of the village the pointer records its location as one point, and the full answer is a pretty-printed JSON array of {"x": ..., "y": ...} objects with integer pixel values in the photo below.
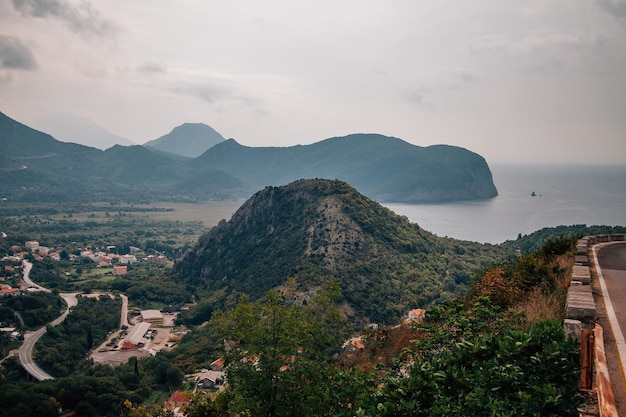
[{"x": 142, "y": 332}]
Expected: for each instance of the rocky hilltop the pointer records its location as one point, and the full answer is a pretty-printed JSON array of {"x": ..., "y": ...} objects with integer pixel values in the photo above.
[{"x": 316, "y": 230}]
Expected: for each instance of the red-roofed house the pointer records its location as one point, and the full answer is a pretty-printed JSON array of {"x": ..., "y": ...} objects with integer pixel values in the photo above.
[
  {"x": 417, "y": 314},
  {"x": 9, "y": 291},
  {"x": 217, "y": 364},
  {"x": 177, "y": 402}
]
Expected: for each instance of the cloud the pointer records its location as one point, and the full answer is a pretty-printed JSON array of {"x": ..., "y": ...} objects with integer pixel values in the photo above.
[
  {"x": 528, "y": 43},
  {"x": 417, "y": 96},
  {"x": 80, "y": 18},
  {"x": 15, "y": 55},
  {"x": 214, "y": 93},
  {"x": 614, "y": 7},
  {"x": 151, "y": 67}
]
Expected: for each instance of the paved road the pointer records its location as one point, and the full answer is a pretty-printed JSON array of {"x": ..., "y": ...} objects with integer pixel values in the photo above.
[
  {"x": 30, "y": 338},
  {"x": 124, "y": 316},
  {"x": 26, "y": 267},
  {"x": 611, "y": 258}
]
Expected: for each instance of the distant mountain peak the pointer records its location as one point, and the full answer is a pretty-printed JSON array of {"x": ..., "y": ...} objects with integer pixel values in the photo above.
[
  {"x": 71, "y": 128},
  {"x": 189, "y": 139}
]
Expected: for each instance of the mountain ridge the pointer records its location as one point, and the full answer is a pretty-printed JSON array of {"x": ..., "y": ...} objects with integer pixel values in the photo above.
[
  {"x": 385, "y": 168},
  {"x": 382, "y": 167}
]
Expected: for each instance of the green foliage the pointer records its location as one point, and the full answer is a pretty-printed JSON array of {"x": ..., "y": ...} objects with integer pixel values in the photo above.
[
  {"x": 279, "y": 356},
  {"x": 513, "y": 280},
  {"x": 63, "y": 349},
  {"x": 35, "y": 309},
  {"x": 516, "y": 373},
  {"x": 557, "y": 237}
]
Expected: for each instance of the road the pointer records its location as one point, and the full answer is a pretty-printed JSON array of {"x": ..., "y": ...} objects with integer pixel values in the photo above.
[
  {"x": 611, "y": 259},
  {"x": 30, "y": 338},
  {"x": 124, "y": 318},
  {"x": 26, "y": 267}
]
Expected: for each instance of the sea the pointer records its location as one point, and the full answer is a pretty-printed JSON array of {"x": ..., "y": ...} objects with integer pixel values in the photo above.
[{"x": 530, "y": 197}]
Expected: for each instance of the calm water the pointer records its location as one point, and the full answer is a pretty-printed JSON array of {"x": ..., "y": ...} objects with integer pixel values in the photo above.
[{"x": 566, "y": 195}]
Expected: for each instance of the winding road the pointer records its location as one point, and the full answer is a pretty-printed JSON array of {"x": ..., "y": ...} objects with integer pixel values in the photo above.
[{"x": 30, "y": 338}]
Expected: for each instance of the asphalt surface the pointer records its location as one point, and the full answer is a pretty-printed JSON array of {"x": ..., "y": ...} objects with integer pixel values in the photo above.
[
  {"x": 30, "y": 338},
  {"x": 26, "y": 350},
  {"x": 611, "y": 259}
]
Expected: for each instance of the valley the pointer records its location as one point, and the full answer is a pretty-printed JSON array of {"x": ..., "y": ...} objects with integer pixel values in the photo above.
[
  {"x": 177, "y": 228},
  {"x": 308, "y": 284}
]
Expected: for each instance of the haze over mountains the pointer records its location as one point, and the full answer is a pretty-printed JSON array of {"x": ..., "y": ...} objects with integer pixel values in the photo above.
[
  {"x": 75, "y": 129},
  {"x": 189, "y": 139},
  {"x": 384, "y": 168}
]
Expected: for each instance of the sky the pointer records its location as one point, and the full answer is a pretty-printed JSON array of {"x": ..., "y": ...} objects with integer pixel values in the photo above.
[{"x": 516, "y": 81}]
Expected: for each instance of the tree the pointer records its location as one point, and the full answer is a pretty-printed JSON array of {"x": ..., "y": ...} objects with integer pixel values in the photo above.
[
  {"x": 89, "y": 338},
  {"x": 279, "y": 353}
]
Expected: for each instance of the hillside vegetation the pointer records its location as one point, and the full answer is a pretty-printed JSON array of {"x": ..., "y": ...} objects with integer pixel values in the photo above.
[
  {"x": 481, "y": 354},
  {"x": 317, "y": 230}
]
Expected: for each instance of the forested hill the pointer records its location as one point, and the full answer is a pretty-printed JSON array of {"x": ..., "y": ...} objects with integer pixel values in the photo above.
[
  {"x": 381, "y": 167},
  {"x": 316, "y": 230}
]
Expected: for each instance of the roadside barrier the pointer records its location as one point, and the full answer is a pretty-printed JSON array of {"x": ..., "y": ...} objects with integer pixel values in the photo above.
[{"x": 580, "y": 316}]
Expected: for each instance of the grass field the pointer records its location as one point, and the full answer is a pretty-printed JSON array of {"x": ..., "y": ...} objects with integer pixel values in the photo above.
[{"x": 209, "y": 212}]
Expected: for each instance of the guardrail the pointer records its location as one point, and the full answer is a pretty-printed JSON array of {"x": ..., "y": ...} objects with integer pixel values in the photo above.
[{"x": 579, "y": 322}]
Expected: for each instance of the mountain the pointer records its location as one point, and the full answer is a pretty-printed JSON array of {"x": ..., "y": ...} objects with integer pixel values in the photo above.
[
  {"x": 189, "y": 139},
  {"x": 36, "y": 165},
  {"x": 75, "y": 129},
  {"x": 316, "y": 230},
  {"x": 384, "y": 168},
  {"x": 19, "y": 141}
]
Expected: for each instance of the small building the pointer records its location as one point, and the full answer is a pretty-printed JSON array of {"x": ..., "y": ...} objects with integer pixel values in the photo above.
[
  {"x": 417, "y": 314},
  {"x": 8, "y": 290},
  {"x": 159, "y": 260},
  {"x": 217, "y": 364},
  {"x": 177, "y": 403},
  {"x": 120, "y": 270},
  {"x": 32, "y": 245},
  {"x": 135, "y": 337},
  {"x": 127, "y": 259},
  {"x": 354, "y": 345},
  {"x": 210, "y": 382},
  {"x": 152, "y": 316}
]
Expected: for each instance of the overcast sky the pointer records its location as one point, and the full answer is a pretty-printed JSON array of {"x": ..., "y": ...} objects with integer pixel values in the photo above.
[{"x": 513, "y": 80}]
